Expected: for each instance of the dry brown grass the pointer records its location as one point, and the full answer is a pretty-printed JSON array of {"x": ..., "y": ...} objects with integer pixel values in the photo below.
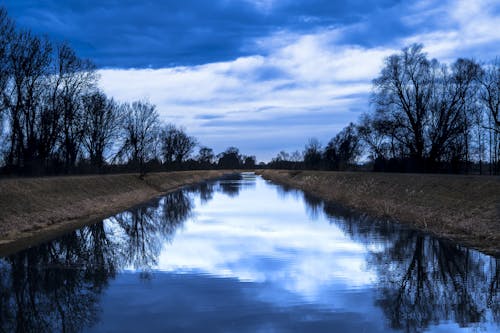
[
  {"x": 465, "y": 209},
  {"x": 38, "y": 208}
]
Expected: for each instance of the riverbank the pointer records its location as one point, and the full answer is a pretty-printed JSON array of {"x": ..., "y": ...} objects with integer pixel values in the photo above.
[
  {"x": 464, "y": 209},
  {"x": 37, "y": 209}
]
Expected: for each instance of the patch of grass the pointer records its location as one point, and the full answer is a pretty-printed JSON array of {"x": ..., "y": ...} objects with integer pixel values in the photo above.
[{"x": 29, "y": 206}]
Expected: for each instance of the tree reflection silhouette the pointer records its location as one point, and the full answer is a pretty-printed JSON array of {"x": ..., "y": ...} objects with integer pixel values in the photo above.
[
  {"x": 56, "y": 286},
  {"x": 232, "y": 184},
  {"x": 423, "y": 280},
  {"x": 144, "y": 229}
]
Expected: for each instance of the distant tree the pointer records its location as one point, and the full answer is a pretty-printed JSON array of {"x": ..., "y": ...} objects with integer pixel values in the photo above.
[
  {"x": 343, "y": 150},
  {"x": 372, "y": 134},
  {"x": 176, "y": 145},
  {"x": 282, "y": 156},
  {"x": 249, "y": 162},
  {"x": 312, "y": 154},
  {"x": 229, "y": 159},
  {"x": 141, "y": 131},
  {"x": 206, "y": 157},
  {"x": 102, "y": 119},
  {"x": 296, "y": 157}
]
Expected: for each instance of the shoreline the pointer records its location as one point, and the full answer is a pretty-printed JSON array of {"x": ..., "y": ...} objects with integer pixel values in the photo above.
[
  {"x": 462, "y": 209},
  {"x": 34, "y": 210}
]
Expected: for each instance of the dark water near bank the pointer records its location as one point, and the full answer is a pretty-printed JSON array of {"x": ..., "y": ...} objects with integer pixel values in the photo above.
[{"x": 244, "y": 255}]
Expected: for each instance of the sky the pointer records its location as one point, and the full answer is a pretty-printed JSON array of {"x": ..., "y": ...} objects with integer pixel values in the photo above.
[{"x": 262, "y": 75}]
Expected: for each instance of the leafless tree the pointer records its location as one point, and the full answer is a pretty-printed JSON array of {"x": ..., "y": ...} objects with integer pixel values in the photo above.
[
  {"x": 29, "y": 59},
  {"x": 343, "y": 150},
  {"x": 176, "y": 144},
  {"x": 102, "y": 120},
  {"x": 424, "y": 102},
  {"x": 313, "y": 154},
  {"x": 490, "y": 92},
  {"x": 490, "y": 98},
  {"x": 75, "y": 78},
  {"x": 6, "y": 37},
  {"x": 206, "y": 157},
  {"x": 141, "y": 131}
]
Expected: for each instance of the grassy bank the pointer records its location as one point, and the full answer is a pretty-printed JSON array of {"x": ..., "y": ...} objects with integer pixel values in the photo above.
[
  {"x": 35, "y": 209},
  {"x": 465, "y": 209}
]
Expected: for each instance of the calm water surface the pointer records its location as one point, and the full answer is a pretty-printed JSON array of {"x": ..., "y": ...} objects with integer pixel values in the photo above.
[{"x": 244, "y": 255}]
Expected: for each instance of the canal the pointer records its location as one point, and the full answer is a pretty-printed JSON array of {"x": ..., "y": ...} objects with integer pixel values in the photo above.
[{"x": 241, "y": 254}]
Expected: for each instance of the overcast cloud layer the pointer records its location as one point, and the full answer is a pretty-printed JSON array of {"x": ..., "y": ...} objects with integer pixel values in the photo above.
[{"x": 263, "y": 75}]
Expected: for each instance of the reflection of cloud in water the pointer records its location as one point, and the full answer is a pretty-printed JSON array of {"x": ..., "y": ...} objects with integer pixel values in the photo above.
[
  {"x": 266, "y": 240},
  {"x": 261, "y": 262}
]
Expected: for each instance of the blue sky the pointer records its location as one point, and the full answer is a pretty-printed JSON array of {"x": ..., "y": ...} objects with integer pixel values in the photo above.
[{"x": 263, "y": 75}]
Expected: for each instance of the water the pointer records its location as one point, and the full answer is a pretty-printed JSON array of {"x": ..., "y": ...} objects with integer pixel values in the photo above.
[{"x": 244, "y": 255}]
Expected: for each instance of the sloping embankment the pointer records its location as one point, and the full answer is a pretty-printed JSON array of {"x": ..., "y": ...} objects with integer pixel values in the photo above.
[
  {"x": 465, "y": 209},
  {"x": 35, "y": 209}
]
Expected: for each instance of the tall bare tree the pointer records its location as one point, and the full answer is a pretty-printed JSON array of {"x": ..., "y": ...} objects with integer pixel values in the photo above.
[
  {"x": 141, "y": 131},
  {"x": 101, "y": 122},
  {"x": 6, "y": 37},
  {"x": 490, "y": 98},
  {"x": 423, "y": 103},
  {"x": 176, "y": 144},
  {"x": 490, "y": 93},
  {"x": 75, "y": 77},
  {"x": 29, "y": 58}
]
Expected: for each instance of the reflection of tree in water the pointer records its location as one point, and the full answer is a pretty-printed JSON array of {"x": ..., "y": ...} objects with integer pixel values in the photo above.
[
  {"x": 56, "y": 286},
  {"x": 285, "y": 191},
  {"x": 232, "y": 184},
  {"x": 144, "y": 229},
  {"x": 494, "y": 288},
  {"x": 314, "y": 206},
  {"x": 422, "y": 280},
  {"x": 204, "y": 190},
  {"x": 425, "y": 281}
]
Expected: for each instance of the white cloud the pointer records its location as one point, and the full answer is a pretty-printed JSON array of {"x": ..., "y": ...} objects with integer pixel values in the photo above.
[
  {"x": 464, "y": 28},
  {"x": 282, "y": 247},
  {"x": 301, "y": 76},
  {"x": 298, "y": 79}
]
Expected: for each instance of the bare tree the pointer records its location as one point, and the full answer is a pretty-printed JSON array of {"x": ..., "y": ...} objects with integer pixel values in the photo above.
[
  {"x": 29, "y": 59},
  {"x": 230, "y": 159},
  {"x": 206, "y": 157},
  {"x": 141, "y": 131},
  {"x": 312, "y": 154},
  {"x": 343, "y": 150},
  {"x": 423, "y": 103},
  {"x": 176, "y": 144},
  {"x": 102, "y": 120},
  {"x": 490, "y": 98},
  {"x": 6, "y": 37},
  {"x": 490, "y": 93},
  {"x": 75, "y": 78}
]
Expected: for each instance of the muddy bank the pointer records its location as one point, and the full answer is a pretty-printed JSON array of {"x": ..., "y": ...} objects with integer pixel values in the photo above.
[
  {"x": 465, "y": 209},
  {"x": 36, "y": 209}
]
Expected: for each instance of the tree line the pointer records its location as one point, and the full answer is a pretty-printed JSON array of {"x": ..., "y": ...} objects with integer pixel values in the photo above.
[
  {"x": 54, "y": 118},
  {"x": 427, "y": 116}
]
